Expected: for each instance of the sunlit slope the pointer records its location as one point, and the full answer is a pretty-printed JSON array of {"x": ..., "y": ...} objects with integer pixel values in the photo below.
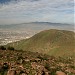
[{"x": 52, "y": 42}]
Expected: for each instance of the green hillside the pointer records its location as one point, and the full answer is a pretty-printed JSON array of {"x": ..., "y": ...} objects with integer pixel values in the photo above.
[{"x": 52, "y": 42}]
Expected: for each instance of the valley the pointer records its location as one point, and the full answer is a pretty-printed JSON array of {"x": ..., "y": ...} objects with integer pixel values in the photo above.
[{"x": 13, "y": 36}]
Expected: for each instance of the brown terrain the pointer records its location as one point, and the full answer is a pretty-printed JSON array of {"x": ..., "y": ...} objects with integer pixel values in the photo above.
[{"x": 13, "y": 62}]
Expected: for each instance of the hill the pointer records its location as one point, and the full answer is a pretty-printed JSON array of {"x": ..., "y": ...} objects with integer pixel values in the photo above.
[
  {"x": 14, "y": 62},
  {"x": 52, "y": 42}
]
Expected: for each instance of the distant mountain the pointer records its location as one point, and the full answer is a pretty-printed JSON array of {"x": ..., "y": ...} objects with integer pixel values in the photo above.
[
  {"x": 52, "y": 42},
  {"x": 50, "y": 23},
  {"x": 46, "y": 23},
  {"x": 38, "y": 26}
]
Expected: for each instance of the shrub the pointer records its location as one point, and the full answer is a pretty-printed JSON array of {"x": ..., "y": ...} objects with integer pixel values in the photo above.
[
  {"x": 2, "y": 48},
  {"x": 5, "y": 66},
  {"x": 47, "y": 66},
  {"x": 10, "y": 48},
  {"x": 42, "y": 57}
]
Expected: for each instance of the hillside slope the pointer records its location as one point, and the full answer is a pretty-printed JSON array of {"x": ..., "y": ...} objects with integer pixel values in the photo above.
[
  {"x": 52, "y": 42},
  {"x": 14, "y": 62}
]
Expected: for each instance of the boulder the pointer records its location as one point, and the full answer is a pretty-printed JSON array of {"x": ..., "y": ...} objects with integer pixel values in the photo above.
[
  {"x": 60, "y": 73},
  {"x": 11, "y": 72}
]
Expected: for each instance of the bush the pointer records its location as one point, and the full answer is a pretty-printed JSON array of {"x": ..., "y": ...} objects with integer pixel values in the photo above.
[
  {"x": 5, "y": 66},
  {"x": 2, "y": 48},
  {"x": 47, "y": 66},
  {"x": 42, "y": 57},
  {"x": 10, "y": 48}
]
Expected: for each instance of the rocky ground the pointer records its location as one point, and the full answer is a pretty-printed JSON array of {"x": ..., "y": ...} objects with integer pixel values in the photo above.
[{"x": 13, "y": 62}]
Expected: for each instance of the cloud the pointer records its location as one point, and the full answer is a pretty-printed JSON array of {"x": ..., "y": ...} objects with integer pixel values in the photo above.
[{"x": 37, "y": 10}]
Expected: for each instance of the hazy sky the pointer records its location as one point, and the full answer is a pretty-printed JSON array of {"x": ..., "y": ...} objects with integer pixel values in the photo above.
[{"x": 20, "y": 11}]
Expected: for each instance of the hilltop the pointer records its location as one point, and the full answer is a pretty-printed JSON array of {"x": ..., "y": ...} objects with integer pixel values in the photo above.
[
  {"x": 52, "y": 42},
  {"x": 14, "y": 62}
]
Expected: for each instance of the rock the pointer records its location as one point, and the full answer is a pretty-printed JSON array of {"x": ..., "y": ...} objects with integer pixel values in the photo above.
[
  {"x": 34, "y": 65},
  {"x": 11, "y": 72},
  {"x": 23, "y": 74},
  {"x": 60, "y": 73}
]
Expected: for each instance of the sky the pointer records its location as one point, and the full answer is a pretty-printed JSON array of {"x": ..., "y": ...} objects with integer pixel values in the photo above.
[{"x": 22, "y": 11}]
